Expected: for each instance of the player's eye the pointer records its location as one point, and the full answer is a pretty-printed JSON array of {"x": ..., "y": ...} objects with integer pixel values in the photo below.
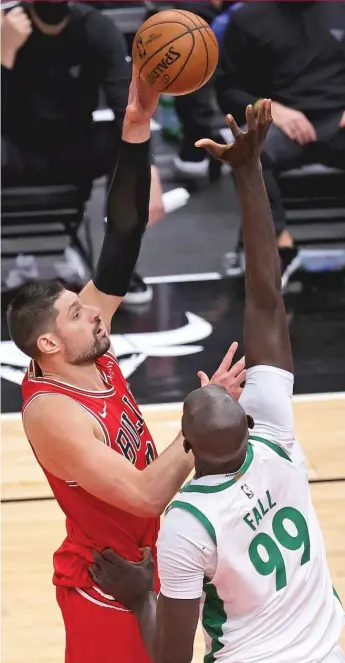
[{"x": 76, "y": 315}]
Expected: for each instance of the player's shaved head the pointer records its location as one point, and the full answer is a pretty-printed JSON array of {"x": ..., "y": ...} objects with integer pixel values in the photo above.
[{"x": 215, "y": 427}]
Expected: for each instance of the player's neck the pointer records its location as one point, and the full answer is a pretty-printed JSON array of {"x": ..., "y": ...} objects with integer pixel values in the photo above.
[
  {"x": 83, "y": 377},
  {"x": 232, "y": 466}
]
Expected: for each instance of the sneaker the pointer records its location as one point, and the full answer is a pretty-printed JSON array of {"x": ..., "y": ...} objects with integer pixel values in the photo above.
[
  {"x": 194, "y": 169},
  {"x": 290, "y": 261},
  {"x": 138, "y": 292},
  {"x": 233, "y": 263},
  {"x": 25, "y": 271}
]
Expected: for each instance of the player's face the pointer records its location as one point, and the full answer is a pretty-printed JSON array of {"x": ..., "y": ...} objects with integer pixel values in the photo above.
[{"x": 81, "y": 333}]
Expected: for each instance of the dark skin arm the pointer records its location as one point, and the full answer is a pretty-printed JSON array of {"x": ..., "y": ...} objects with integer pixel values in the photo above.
[
  {"x": 159, "y": 620},
  {"x": 177, "y": 620},
  {"x": 132, "y": 584},
  {"x": 266, "y": 335}
]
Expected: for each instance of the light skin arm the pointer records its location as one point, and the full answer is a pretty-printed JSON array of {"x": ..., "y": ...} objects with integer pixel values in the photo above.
[
  {"x": 68, "y": 445},
  {"x": 142, "y": 102},
  {"x": 266, "y": 335}
]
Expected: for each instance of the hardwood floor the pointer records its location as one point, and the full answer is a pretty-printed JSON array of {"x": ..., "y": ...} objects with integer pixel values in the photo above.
[{"x": 31, "y": 530}]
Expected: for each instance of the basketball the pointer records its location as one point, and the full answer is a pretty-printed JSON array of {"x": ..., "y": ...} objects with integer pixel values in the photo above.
[{"x": 175, "y": 51}]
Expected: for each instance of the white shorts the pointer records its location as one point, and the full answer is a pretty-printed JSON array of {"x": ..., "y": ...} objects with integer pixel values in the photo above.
[{"x": 336, "y": 656}]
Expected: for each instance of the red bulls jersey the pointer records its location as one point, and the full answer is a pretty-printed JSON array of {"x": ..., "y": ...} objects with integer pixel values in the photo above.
[{"x": 90, "y": 522}]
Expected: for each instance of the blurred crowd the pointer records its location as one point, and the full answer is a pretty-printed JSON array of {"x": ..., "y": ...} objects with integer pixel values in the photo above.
[{"x": 61, "y": 61}]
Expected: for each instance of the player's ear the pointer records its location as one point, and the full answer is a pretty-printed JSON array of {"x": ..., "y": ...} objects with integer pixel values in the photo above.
[
  {"x": 187, "y": 447},
  {"x": 250, "y": 421}
]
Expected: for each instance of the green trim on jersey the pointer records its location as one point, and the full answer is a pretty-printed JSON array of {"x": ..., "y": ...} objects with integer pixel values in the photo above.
[
  {"x": 213, "y": 620},
  {"x": 198, "y": 514},
  {"x": 337, "y": 596},
  {"x": 194, "y": 488},
  {"x": 272, "y": 445}
]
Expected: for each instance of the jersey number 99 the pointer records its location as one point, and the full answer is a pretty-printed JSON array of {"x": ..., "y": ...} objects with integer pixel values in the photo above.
[{"x": 274, "y": 560}]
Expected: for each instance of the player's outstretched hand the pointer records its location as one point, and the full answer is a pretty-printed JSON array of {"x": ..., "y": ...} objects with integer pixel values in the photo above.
[
  {"x": 142, "y": 100},
  {"x": 128, "y": 582},
  {"x": 248, "y": 144},
  {"x": 229, "y": 377}
]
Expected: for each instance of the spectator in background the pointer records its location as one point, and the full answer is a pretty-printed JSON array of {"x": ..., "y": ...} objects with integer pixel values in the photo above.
[
  {"x": 196, "y": 111},
  {"x": 56, "y": 57},
  {"x": 298, "y": 49}
]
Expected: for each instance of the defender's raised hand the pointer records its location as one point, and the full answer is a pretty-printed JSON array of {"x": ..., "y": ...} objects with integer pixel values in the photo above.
[
  {"x": 247, "y": 145},
  {"x": 228, "y": 376}
]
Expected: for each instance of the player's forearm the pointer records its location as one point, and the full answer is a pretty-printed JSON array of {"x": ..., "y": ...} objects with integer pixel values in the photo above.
[
  {"x": 146, "y": 616},
  {"x": 127, "y": 210},
  {"x": 163, "y": 478},
  {"x": 265, "y": 326},
  {"x": 259, "y": 239}
]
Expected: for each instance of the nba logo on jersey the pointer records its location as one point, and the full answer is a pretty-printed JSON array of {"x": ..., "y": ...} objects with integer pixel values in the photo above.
[{"x": 247, "y": 491}]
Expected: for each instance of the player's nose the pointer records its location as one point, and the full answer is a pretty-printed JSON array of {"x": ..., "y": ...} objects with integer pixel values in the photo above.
[{"x": 94, "y": 313}]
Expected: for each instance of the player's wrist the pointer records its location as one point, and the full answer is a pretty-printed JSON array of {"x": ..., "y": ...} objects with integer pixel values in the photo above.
[
  {"x": 136, "y": 132},
  {"x": 246, "y": 170}
]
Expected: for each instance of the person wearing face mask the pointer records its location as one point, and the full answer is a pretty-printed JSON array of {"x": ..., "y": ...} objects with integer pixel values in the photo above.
[
  {"x": 294, "y": 53},
  {"x": 56, "y": 58}
]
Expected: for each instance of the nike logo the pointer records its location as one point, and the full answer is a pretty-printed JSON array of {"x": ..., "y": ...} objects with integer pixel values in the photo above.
[{"x": 104, "y": 411}]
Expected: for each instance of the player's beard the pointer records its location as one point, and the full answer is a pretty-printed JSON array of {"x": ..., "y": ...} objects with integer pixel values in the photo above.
[{"x": 99, "y": 347}]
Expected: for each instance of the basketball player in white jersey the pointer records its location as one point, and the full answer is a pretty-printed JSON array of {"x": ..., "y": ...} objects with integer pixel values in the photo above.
[{"x": 241, "y": 545}]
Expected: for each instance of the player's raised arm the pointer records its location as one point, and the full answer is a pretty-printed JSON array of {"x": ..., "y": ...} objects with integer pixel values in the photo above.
[
  {"x": 266, "y": 336},
  {"x": 127, "y": 206}
]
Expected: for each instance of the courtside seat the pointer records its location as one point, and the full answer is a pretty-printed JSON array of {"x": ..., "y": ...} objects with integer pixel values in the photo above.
[
  {"x": 314, "y": 199},
  {"x": 45, "y": 212}
]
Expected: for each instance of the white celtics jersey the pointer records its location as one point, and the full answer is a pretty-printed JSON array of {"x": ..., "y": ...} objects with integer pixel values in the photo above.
[{"x": 270, "y": 598}]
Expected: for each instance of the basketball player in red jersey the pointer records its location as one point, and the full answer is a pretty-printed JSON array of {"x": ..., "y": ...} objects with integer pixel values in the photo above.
[{"x": 82, "y": 421}]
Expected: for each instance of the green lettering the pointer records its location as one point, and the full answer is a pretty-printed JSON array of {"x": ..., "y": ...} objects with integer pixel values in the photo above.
[
  {"x": 270, "y": 503},
  {"x": 249, "y": 522},
  {"x": 263, "y": 511},
  {"x": 257, "y": 515}
]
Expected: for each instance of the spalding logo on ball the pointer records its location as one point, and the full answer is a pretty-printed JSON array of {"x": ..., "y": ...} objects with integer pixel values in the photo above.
[{"x": 175, "y": 51}]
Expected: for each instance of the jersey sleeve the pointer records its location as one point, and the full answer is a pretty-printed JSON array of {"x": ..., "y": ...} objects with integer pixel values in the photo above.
[
  {"x": 267, "y": 397},
  {"x": 186, "y": 553}
]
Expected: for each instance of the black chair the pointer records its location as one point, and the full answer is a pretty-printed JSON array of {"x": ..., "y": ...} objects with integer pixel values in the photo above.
[
  {"x": 45, "y": 212},
  {"x": 314, "y": 199}
]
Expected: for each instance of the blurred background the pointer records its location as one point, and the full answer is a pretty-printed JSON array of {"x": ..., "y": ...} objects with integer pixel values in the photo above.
[{"x": 65, "y": 71}]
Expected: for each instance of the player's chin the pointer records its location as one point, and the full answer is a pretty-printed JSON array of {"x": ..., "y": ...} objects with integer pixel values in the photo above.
[{"x": 103, "y": 343}]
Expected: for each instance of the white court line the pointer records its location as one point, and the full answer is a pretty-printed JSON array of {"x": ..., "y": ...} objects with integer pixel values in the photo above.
[
  {"x": 332, "y": 396},
  {"x": 182, "y": 278},
  {"x": 156, "y": 407}
]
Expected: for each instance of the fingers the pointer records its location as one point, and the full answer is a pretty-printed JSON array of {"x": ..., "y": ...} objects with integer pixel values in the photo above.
[
  {"x": 237, "y": 368},
  {"x": 227, "y": 360},
  {"x": 300, "y": 129},
  {"x": 241, "y": 377},
  {"x": 264, "y": 118},
  {"x": 211, "y": 147},
  {"x": 145, "y": 552},
  {"x": 203, "y": 378},
  {"x": 250, "y": 118},
  {"x": 236, "y": 131}
]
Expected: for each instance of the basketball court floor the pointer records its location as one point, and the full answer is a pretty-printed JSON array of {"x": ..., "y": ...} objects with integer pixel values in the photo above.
[{"x": 187, "y": 327}]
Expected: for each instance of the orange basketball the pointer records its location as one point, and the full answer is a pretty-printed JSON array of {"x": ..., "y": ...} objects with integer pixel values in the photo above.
[{"x": 175, "y": 51}]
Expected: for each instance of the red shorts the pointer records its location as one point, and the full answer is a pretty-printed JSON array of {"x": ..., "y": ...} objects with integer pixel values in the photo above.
[{"x": 99, "y": 633}]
